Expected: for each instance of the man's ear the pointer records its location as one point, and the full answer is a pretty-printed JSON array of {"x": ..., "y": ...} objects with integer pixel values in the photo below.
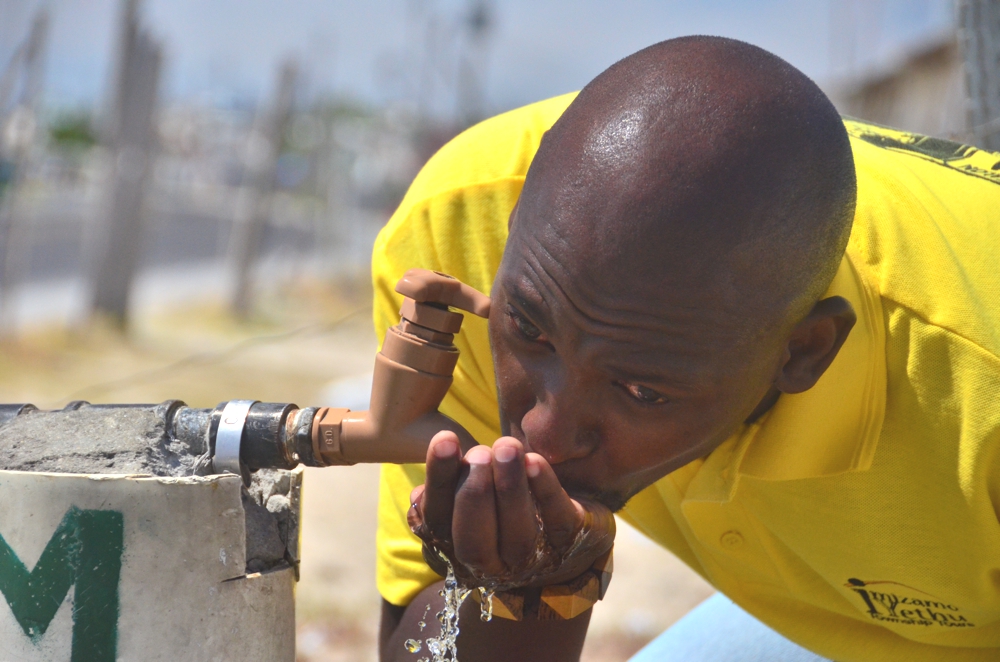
[{"x": 814, "y": 343}]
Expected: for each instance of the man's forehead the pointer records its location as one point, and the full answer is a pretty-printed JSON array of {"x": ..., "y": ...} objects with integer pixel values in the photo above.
[
  {"x": 615, "y": 300},
  {"x": 620, "y": 261},
  {"x": 673, "y": 348}
]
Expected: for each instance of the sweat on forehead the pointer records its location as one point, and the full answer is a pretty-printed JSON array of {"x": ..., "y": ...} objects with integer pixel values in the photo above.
[{"x": 700, "y": 154}]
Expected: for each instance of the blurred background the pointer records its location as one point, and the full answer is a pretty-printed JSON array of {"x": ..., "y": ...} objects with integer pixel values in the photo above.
[{"x": 189, "y": 192}]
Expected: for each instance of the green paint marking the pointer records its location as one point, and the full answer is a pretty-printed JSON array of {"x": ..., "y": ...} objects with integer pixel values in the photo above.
[
  {"x": 86, "y": 550},
  {"x": 95, "y": 603},
  {"x": 35, "y": 597}
]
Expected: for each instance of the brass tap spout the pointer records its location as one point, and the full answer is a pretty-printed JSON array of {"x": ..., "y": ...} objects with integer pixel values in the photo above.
[{"x": 413, "y": 372}]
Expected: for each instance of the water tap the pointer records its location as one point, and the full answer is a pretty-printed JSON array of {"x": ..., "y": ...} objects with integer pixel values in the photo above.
[{"x": 413, "y": 372}]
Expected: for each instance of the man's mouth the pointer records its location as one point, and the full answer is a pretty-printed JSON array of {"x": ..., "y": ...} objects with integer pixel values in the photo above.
[
  {"x": 568, "y": 474},
  {"x": 580, "y": 488}
]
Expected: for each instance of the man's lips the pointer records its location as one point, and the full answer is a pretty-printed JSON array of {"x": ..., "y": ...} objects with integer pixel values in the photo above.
[
  {"x": 580, "y": 477},
  {"x": 577, "y": 479}
]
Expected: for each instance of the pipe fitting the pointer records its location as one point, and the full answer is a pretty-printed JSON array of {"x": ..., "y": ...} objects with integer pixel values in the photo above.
[
  {"x": 413, "y": 372},
  {"x": 326, "y": 431}
]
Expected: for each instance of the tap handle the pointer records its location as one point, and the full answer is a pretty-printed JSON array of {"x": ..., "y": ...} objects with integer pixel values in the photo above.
[{"x": 433, "y": 287}]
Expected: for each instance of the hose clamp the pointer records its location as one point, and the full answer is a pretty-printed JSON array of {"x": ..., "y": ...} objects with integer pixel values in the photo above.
[{"x": 229, "y": 436}]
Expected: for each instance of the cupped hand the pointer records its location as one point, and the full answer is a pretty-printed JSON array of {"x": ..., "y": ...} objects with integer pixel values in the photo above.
[{"x": 502, "y": 518}]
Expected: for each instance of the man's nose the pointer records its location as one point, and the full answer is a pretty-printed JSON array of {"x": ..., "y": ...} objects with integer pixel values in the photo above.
[{"x": 557, "y": 427}]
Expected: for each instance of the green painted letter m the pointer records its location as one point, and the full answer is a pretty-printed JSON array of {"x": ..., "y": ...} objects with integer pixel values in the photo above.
[{"x": 85, "y": 550}]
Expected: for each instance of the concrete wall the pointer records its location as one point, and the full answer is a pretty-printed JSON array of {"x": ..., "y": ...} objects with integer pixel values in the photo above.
[{"x": 106, "y": 568}]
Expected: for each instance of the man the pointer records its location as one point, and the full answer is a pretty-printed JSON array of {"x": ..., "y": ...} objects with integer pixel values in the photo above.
[{"x": 765, "y": 336}]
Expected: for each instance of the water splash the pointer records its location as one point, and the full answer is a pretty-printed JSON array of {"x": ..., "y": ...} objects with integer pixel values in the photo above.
[
  {"x": 486, "y": 604},
  {"x": 412, "y": 645},
  {"x": 444, "y": 648}
]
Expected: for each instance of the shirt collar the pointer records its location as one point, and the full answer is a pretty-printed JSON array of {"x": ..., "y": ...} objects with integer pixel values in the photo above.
[{"x": 834, "y": 426}]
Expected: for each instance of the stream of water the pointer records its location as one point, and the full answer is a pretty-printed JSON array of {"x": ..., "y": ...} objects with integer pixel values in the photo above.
[{"x": 444, "y": 647}]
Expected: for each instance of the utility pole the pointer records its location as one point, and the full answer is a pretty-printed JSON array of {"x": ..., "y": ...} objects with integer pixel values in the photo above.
[
  {"x": 28, "y": 60},
  {"x": 979, "y": 29},
  {"x": 253, "y": 209},
  {"x": 470, "y": 92},
  {"x": 130, "y": 135},
  {"x": 18, "y": 143}
]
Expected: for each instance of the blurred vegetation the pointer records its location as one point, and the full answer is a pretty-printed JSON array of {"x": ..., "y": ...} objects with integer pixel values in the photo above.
[
  {"x": 6, "y": 175},
  {"x": 73, "y": 130}
]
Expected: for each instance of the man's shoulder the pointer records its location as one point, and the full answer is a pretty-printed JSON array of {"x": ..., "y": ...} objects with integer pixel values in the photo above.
[
  {"x": 495, "y": 149},
  {"x": 924, "y": 228},
  {"x": 454, "y": 215},
  {"x": 969, "y": 160}
]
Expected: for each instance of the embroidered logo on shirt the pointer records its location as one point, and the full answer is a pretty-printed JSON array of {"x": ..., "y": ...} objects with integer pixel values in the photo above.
[
  {"x": 892, "y": 602},
  {"x": 965, "y": 159}
]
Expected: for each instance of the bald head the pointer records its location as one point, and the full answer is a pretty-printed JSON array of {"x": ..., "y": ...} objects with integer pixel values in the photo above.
[
  {"x": 664, "y": 275},
  {"x": 697, "y": 160}
]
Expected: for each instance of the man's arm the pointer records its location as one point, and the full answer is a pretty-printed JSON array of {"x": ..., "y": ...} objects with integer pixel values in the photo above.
[{"x": 500, "y": 640}]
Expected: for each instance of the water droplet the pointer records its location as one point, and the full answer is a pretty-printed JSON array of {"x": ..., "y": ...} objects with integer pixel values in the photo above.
[
  {"x": 412, "y": 645},
  {"x": 422, "y": 625},
  {"x": 486, "y": 604}
]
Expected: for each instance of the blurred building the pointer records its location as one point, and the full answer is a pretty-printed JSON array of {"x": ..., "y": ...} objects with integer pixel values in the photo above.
[{"x": 924, "y": 92}]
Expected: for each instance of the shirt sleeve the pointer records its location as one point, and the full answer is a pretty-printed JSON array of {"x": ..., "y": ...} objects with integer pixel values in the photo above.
[
  {"x": 453, "y": 219},
  {"x": 460, "y": 232}
]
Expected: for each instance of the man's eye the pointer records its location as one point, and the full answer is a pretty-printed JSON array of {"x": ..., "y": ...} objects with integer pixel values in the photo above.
[
  {"x": 644, "y": 394},
  {"x": 524, "y": 327}
]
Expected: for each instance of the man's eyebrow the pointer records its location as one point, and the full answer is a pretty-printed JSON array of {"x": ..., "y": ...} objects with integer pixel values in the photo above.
[
  {"x": 532, "y": 306},
  {"x": 640, "y": 374},
  {"x": 672, "y": 373},
  {"x": 671, "y": 377}
]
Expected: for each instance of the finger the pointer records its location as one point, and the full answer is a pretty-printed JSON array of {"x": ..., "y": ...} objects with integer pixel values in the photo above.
[
  {"x": 517, "y": 525},
  {"x": 414, "y": 515},
  {"x": 474, "y": 528},
  {"x": 443, "y": 466},
  {"x": 561, "y": 516}
]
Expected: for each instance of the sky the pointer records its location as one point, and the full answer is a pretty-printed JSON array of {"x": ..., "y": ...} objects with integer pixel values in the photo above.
[{"x": 225, "y": 52}]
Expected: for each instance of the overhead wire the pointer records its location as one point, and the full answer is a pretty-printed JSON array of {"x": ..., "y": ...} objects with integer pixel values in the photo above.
[{"x": 208, "y": 358}]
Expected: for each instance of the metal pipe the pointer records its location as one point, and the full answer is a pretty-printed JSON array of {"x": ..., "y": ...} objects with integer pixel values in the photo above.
[{"x": 270, "y": 436}]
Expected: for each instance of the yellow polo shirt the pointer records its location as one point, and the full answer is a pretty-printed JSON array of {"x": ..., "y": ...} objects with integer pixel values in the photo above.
[{"x": 858, "y": 519}]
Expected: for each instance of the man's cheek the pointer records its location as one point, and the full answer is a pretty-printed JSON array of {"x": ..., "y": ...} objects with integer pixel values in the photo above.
[
  {"x": 505, "y": 363},
  {"x": 513, "y": 391},
  {"x": 511, "y": 386},
  {"x": 502, "y": 376}
]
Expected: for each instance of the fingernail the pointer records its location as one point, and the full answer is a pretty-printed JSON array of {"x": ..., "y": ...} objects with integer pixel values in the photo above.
[
  {"x": 446, "y": 448},
  {"x": 505, "y": 454},
  {"x": 531, "y": 467},
  {"x": 478, "y": 455}
]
